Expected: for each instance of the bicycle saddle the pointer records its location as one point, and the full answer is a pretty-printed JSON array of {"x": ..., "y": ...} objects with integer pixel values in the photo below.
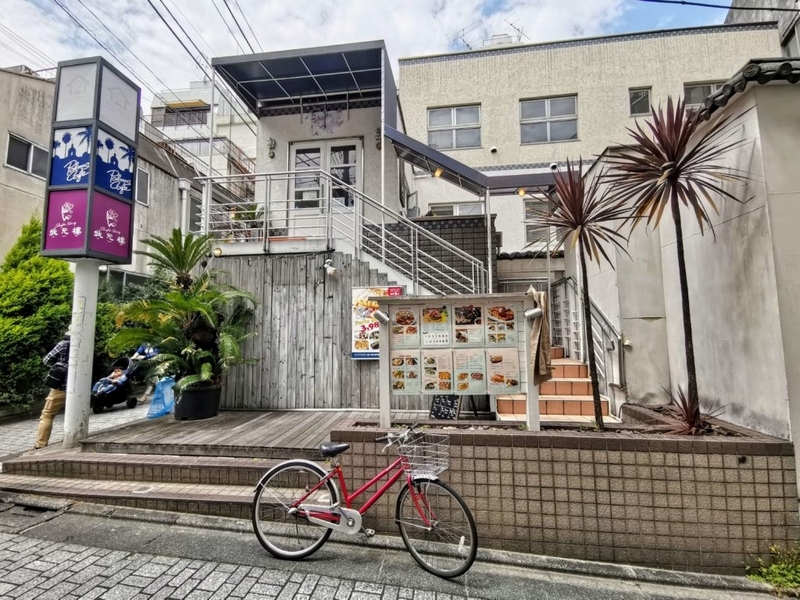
[{"x": 332, "y": 448}]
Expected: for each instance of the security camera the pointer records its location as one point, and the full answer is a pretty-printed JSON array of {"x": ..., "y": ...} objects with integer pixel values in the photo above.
[
  {"x": 493, "y": 149},
  {"x": 554, "y": 166},
  {"x": 330, "y": 270}
]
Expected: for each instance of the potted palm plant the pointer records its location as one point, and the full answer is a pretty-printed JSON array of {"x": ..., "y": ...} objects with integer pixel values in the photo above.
[{"x": 198, "y": 327}]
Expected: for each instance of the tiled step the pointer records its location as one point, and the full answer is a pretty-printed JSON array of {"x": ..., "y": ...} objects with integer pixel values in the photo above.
[
  {"x": 566, "y": 387},
  {"x": 556, "y": 352},
  {"x": 551, "y": 405},
  {"x": 569, "y": 368},
  {"x": 219, "y": 500},
  {"x": 142, "y": 467}
]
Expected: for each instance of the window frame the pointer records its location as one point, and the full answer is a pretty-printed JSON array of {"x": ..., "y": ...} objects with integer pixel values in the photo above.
[
  {"x": 548, "y": 119},
  {"x": 715, "y": 86},
  {"x": 529, "y": 224},
  {"x": 456, "y": 208},
  {"x": 31, "y": 146},
  {"x": 649, "y": 91},
  {"x": 453, "y": 127},
  {"x": 139, "y": 187}
]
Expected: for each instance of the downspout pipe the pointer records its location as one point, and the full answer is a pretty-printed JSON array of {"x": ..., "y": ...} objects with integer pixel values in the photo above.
[{"x": 184, "y": 185}]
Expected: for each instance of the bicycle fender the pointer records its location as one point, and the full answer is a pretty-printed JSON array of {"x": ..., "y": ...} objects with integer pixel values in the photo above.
[
  {"x": 310, "y": 463},
  {"x": 424, "y": 478}
]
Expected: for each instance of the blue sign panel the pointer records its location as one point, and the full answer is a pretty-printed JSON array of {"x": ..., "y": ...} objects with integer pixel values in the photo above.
[
  {"x": 114, "y": 165},
  {"x": 71, "y": 156}
]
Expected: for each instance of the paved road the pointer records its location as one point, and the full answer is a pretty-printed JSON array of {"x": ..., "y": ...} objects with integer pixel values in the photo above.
[
  {"x": 75, "y": 556},
  {"x": 19, "y": 436}
]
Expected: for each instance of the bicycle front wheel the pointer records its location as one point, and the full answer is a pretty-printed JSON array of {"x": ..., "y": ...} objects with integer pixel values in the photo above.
[
  {"x": 447, "y": 543},
  {"x": 282, "y": 529}
]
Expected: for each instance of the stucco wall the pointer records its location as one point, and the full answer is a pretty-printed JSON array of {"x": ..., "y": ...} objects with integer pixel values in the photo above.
[
  {"x": 736, "y": 320},
  {"x": 28, "y": 109}
]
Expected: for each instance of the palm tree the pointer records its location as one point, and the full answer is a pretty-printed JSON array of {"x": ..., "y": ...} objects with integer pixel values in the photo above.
[
  {"x": 110, "y": 147},
  {"x": 178, "y": 254},
  {"x": 85, "y": 136},
  {"x": 66, "y": 138},
  {"x": 127, "y": 154},
  {"x": 579, "y": 212},
  {"x": 56, "y": 146},
  {"x": 674, "y": 162}
]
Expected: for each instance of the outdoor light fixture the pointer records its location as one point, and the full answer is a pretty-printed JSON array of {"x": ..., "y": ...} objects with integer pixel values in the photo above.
[
  {"x": 533, "y": 313},
  {"x": 217, "y": 252},
  {"x": 330, "y": 270},
  {"x": 382, "y": 317},
  {"x": 438, "y": 172},
  {"x": 521, "y": 192}
]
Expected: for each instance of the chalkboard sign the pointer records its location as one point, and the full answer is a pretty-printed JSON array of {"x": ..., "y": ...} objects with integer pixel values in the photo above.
[{"x": 445, "y": 407}]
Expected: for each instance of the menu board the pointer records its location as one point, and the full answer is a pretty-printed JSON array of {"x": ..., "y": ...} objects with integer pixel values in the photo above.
[
  {"x": 405, "y": 372},
  {"x": 470, "y": 371},
  {"x": 503, "y": 322},
  {"x": 468, "y": 326},
  {"x": 436, "y": 326},
  {"x": 503, "y": 370},
  {"x": 445, "y": 407},
  {"x": 365, "y": 343},
  {"x": 437, "y": 371},
  {"x": 405, "y": 326}
]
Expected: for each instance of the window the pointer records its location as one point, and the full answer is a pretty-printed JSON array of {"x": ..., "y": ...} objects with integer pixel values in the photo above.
[
  {"x": 340, "y": 158},
  {"x": 142, "y": 187},
  {"x": 186, "y": 117},
  {"x": 535, "y": 209},
  {"x": 639, "y": 100},
  {"x": 695, "y": 93},
  {"x": 454, "y": 127},
  {"x": 195, "y": 214},
  {"x": 549, "y": 120},
  {"x": 25, "y": 156},
  {"x": 460, "y": 209},
  {"x": 791, "y": 47}
]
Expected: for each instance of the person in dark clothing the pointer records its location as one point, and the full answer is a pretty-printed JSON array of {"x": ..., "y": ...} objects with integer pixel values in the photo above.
[{"x": 57, "y": 397}]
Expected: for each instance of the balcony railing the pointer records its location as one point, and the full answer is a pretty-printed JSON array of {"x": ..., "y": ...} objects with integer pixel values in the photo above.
[{"x": 312, "y": 205}]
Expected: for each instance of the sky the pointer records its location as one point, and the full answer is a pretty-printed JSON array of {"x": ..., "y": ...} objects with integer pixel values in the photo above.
[{"x": 39, "y": 33}]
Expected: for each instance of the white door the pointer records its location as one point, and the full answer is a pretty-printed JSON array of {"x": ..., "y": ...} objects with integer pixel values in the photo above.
[{"x": 308, "y": 195}]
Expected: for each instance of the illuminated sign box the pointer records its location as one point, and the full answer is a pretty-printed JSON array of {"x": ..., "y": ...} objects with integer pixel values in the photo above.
[{"x": 91, "y": 185}]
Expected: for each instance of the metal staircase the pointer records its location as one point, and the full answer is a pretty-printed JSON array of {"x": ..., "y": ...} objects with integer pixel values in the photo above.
[{"x": 311, "y": 210}]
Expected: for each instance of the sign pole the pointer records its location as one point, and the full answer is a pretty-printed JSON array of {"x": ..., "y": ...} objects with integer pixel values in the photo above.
[{"x": 81, "y": 352}]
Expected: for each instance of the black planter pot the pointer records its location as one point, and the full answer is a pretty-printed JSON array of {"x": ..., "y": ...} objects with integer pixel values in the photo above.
[{"x": 198, "y": 403}]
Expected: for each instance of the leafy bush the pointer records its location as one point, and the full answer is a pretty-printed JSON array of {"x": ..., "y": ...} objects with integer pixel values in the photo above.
[
  {"x": 35, "y": 308},
  {"x": 783, "y": 572}
]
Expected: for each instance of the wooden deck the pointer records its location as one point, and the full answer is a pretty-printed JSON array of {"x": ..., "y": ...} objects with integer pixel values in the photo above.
[{"x": 274, "y": 434}]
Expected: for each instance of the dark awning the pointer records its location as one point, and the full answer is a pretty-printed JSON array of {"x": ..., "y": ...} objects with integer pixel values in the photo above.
[
  {"x": 282, "y": 82},
  {"x": 431, "y": 160}
]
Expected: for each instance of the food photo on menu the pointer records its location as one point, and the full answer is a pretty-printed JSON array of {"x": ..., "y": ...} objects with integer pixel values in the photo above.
[
  {"x": 435, "y": 326},
  {"x": 504, "y": 373},
  {"x": 405, "y": 328},
  {"x": 405, "y": 374},
  {"x": 437, "y": 371},
  {"x": 468, "y": 322},
  {"x": 501, "y": 326}
]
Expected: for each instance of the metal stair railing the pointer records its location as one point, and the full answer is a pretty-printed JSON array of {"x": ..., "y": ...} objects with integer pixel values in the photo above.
[
  {"x": 567, "y": 297},
  {"x": 329, "y": 209}
]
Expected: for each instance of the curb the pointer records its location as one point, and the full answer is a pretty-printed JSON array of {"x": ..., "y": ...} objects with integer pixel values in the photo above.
[{"x": 500, "y": 557}]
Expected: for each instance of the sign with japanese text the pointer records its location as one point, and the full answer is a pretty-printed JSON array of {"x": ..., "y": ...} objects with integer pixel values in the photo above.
[
  {"x": 366, "y": 328},
  {"x": 91, "y": 188}
]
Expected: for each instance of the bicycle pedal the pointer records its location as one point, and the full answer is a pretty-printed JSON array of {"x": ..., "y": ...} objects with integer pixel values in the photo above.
[{"x": 369, "y": 532}]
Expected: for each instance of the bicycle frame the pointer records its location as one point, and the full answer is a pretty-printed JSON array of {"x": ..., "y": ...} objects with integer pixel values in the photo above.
[{"x": 401, "y": 466}]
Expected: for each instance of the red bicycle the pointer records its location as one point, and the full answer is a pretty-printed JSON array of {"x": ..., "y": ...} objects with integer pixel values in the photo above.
[{"x": 297, "y": 505}]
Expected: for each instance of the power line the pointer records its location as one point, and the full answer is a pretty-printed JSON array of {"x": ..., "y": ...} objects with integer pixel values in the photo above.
[
  {"x": 247, "y": 21},
  {"x": 233, "y": 35},
  {"x": 35, "y": 52},
  {"x": 235, "y": 20},
  {"x": 189, "y": 21},
  {"x": 706, "y": 5},
  {"x": 26, "y": 58}
]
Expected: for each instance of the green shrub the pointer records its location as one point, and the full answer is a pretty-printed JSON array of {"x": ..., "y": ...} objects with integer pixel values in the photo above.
[
  {"x": 35, "y": 308},
  {"x": 783, "y": 571}
]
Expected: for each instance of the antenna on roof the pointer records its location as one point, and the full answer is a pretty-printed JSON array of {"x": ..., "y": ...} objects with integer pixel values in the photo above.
[
  {"x": 520, "y": 32},
  {"x": 458, "y": 41}
]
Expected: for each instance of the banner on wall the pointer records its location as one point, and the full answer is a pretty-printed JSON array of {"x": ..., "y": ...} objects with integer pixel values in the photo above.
[{"x": 366, "y": 336}]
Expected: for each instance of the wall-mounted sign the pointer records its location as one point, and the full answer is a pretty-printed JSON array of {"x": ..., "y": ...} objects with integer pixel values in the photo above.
[
  {"x": 366, "y": 329},
  {"x": 89, "y": 203}
]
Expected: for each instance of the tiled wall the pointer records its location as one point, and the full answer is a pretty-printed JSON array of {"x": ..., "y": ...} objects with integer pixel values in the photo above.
[{"x": 662, "y": 501}]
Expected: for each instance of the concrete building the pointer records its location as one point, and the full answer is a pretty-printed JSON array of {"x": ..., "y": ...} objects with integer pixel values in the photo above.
[{"x": 788, "y": 21}]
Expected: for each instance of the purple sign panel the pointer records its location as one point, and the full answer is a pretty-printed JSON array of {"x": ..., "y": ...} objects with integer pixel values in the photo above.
[
  {"x": 110, "y": 226},
  {"x": 114, "y": 165},
  {"x": 66, "y": 220},
  {"x": 71, "y": 156}
]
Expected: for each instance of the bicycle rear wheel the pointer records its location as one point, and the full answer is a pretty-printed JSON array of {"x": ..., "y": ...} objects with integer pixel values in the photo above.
[
  {"x": 448, "y": 544},
  {"x": 287, "y": 533}
]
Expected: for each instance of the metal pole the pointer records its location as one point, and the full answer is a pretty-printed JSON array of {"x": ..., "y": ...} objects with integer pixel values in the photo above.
[
  {"x": 267, "y": 206},
  {"x": 489, "y": 244},
  {"x": 81, "y": 352},
  {"x": 549, "y": 283}
]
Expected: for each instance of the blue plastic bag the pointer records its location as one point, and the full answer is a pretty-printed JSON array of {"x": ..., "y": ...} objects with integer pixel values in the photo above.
[{"x": 163, "y": 400}]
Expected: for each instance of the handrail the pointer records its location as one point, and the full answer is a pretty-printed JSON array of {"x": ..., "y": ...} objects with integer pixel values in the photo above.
[{"x": 373, "y": 228}]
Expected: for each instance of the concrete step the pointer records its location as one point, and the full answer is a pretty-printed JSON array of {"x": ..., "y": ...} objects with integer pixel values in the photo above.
[
  {"x": 220, "y": 500},
  {"x": 110, "y": 446},
  {"x": 200, "y": 470},
  {"x": 567, "y": 386}
]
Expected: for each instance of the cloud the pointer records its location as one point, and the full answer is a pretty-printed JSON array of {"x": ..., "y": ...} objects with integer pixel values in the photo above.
[{"x": 410, "y": 28}]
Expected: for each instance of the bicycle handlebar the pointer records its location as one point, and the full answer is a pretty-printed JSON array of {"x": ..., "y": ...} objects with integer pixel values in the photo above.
[{"x": 396, "y": 437}]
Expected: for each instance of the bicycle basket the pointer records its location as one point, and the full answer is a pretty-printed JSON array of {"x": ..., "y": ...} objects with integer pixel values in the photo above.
[{"x": 427, "y": 454}]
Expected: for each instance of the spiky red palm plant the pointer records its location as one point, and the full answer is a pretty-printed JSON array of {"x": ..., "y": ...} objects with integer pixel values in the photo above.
[
  {"x": 673, "y": 162},
  {"x": 579, "y": 213}
]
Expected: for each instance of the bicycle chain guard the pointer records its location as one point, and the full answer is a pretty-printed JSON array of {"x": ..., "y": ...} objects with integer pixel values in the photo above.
[{"x": 349, "y": 519}]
